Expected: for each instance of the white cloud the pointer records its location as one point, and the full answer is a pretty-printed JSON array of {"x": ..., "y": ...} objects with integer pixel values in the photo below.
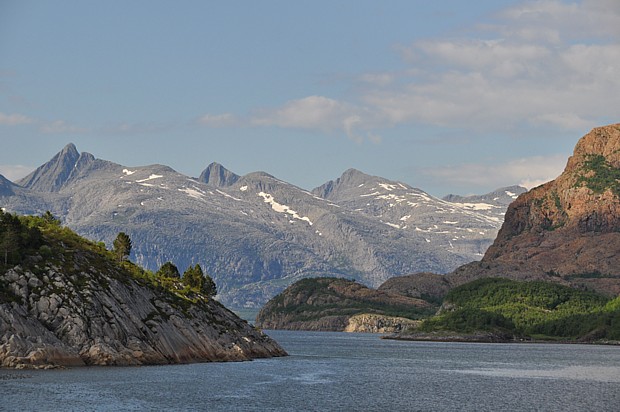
[
  {"x": 218, "y": 120},
  {"x": 543, "y": 63},
  {"x": 312, "y": 112},
  {"x": 319, "y": 113},
  {"x": 547, "y": 64},
  {"x": 15, "y": 172},
  {"x": 14, "y": 119},
  {"x": 60, "y": 126},
  {"x": 528, "y": 172}
]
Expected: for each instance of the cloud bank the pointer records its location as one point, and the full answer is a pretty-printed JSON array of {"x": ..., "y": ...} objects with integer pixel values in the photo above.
[{"x": 538, "y": 64}]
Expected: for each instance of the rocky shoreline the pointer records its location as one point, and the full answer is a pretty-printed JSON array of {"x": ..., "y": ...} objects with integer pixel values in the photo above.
[{"x": 98, "y": 318}]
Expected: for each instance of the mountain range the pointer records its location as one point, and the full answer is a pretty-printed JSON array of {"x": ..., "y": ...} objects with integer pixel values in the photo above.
[{"x": 256, "y": 234}]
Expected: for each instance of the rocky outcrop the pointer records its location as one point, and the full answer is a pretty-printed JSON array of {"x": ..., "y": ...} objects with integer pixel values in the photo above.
[
  {"x": 567, "y": 230},
  {"x": 217, "y": 175},
  {"x": 331, "y": 304},
  {"x": 100, "y": 316},
  {"x": 63, "y": 167},
  {"x": 369, "y": 323}
]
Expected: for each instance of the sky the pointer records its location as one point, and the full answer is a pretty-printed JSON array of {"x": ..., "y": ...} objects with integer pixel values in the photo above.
[{"x": 448, "y": 96}]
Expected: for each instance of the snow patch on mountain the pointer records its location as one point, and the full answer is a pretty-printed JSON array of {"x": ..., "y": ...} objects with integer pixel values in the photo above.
[
  {"x": 227, "y": 195},
  {"x": 477, "y": 206},
  {"x": 151, "y": 177},
  {"x": 282, "y": 208},
  {"x": 193, "y": 192}
]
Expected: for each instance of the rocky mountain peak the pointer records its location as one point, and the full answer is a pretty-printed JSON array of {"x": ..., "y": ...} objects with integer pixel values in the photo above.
[
  {"x": 571, "y": 225},
  {"x": 604, "y": 141},
  {"x": 350, "y": 178},
  {"x": 217, "y": 175},
  {"x": 6, "y": 186},
  {"x": 53, "y": 175}
]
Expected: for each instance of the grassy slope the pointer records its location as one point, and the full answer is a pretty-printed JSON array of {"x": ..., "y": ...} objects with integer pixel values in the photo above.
[{"x": 535, "y": 309}]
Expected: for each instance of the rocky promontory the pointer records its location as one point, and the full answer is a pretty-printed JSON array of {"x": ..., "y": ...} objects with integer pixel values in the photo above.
[{"x": 67, "y": 303}]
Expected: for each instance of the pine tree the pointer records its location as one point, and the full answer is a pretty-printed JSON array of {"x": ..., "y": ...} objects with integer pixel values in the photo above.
[
  {"x": 168, "y": 270},
  {"x": 193, "y": 277},
  {"x": 208, "y": 286},
  {"x": 122, "y": 246}
]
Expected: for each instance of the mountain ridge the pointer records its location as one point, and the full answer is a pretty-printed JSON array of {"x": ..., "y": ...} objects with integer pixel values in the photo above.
[{"x": 255, "y": 234}]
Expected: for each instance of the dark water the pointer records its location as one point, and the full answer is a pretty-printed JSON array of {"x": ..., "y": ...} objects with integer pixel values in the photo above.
[{"x": 342, "y": 372}]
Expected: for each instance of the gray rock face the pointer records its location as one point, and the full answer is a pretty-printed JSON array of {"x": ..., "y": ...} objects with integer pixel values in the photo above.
[
  {"x": 257, "y": 234},
  {"x": 98, "y": 317},
  {"x": 63, "y": 167},
  {"x": 217, "y": 175},
  {"x": 6, "y": 187}
]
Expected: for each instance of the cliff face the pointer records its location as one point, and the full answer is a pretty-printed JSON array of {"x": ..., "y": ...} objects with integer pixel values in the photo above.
[{"x": 568, "y": 229}]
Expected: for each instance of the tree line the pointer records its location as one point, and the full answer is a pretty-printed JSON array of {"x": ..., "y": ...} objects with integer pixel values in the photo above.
[{"x": 22, "y": 236}]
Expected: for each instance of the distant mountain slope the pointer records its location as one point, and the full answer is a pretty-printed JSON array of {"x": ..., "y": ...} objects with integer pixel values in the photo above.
[
  {"x": 463, "y": 225},
  {"x": 6, "y": 187},
  {"x": 256, "y": 234},
  {"x": 492, "y": 204}
]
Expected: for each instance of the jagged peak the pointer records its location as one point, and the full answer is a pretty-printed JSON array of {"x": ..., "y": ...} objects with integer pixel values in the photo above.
[
  {"x": 69, "y": 150},
  {"x": 52, "y": 176},
  {"x": 350, "y": 178},
  {"x": 6, "y": 186},
  {"x": 217, "y": 175}
]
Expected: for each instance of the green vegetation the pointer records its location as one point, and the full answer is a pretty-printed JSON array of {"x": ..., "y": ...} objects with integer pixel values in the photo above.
[
  {"x": 122, "y": 246},
  {"x": 38, "y": 243},
  {"x": 313, "y": 298},
  {"x": 168, "y": 270},
  {"x": 599, "y": 176},
  {"x": 195, "y": 278},
  {"x": 536, "y": 309}
]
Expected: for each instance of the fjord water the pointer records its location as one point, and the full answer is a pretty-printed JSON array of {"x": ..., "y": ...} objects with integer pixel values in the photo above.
[{"x": 342, "y": 372}]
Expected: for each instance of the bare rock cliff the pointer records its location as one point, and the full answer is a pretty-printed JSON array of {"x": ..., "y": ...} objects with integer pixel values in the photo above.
[{"x": 568, "y": 229}]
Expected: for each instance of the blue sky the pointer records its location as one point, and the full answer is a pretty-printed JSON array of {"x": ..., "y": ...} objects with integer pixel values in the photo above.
[{"x": 448, "y": 96}]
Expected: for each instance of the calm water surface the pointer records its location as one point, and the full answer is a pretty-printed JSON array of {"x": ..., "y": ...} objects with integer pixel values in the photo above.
[{"x": 342, "y": 372}]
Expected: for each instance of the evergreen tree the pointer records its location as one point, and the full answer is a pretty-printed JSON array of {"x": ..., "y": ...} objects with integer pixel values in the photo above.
[
  {"x": 208, "y": 286},
  {"x": 48, "y": 217},
  {"x": 122, "y": 246},
  {"x": 10, "y": 239},
  {"x": 193, "y": 277},
  {"x": 168, "y": 270}
]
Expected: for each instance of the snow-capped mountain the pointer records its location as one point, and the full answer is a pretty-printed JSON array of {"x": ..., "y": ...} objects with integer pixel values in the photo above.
[
  {"x": 464, "y": 225},
  {"x": 255, "y": 234}
]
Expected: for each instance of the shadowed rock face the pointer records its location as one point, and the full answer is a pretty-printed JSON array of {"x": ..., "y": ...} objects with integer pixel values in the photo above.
[
  {"x": 217, "y": 175},
  {"x": 99, "y": 316}
]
